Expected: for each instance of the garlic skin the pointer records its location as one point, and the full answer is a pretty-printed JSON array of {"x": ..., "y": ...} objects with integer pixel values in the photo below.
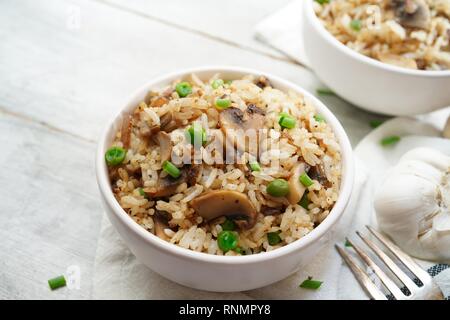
[{"x": 413, "y": 204}]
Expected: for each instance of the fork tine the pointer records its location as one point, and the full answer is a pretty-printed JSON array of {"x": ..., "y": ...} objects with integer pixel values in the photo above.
[
  {"x": 361, "y": 276},
  {"x": 408, "y": 262},
  {"x": 389, "y": 263},
  {"x": 389, "y": 284}
]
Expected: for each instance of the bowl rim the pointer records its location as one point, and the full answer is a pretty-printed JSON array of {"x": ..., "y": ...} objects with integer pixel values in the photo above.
[
  {"x": 151, "y": 239},
  {"x": 311, "y": 15}
]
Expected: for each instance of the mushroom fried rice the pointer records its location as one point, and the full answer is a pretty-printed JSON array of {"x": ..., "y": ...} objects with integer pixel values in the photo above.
[
  {"x": 226, "y": 167},
  {"x": 413, "y": 34}
]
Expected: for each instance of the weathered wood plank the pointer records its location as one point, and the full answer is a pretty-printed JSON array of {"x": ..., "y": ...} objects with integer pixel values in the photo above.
[
  {"x": 50, "y": 212},
  {"x": 231, "y": 21}
]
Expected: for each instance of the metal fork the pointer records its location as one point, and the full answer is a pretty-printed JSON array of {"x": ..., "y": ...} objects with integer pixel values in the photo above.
[{"x": 428, "y": 291}]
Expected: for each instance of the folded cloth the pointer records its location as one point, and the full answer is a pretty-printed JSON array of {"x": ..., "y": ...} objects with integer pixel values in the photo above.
[{"x": 282, "y": 30}]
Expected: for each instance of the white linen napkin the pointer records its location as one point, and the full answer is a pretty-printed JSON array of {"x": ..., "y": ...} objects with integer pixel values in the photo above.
[{"x": 282, "y": 30}]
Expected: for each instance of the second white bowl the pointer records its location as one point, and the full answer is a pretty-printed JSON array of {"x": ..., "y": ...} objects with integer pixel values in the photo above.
[{"x": 368, "y": 83}]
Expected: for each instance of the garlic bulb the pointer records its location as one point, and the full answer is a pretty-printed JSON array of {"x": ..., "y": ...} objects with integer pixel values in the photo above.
[{"x": 413, "y": 204}]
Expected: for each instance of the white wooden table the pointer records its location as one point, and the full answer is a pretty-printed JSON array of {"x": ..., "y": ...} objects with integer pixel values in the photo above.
[{"x": 64, "y": 68}]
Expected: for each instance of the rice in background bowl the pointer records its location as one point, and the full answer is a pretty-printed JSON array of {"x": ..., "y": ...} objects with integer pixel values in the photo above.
[
  {"x": 369, "y": 83},
  {"x": 413, "y": 34},
  {"x": 214, "y": 272}
]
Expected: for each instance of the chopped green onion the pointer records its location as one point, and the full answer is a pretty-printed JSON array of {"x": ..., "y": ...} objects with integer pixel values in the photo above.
[
  {"x": 57, "y": 282},
  {"x": 254, "y": 166},
  {"x": 239, "y": 251},
  {"x": 204, "y": 137},
  {"x": 375, "y": 123},
  {"x": 347, "y": 243},
  {"x": 325, "y": 92},
  {"x": 389, "y": 140},
  {"x": 228, "y": 82},
  {"x": 273, "y": 238},
  {"x": 197, "y": 135},
  {"x": 322, "y": 2},
  {"x": 319, "y": 118},
  {"x": 171, "y": 169},
  {"x": 278, "y": 188},
  {"x": 356, "y": 24},
  {"x": 304, "y": 201},
  {"x": 228, "y": 225},
  {"x": 115, "y": 156},
  {"x": 311, "y": 284},
  {"x": 217, "y": 83},
  {"x": 143, "y": 193},
  {"x": 183, "y": 89},
  {"x": 223, "y": 103},
  {"x": 306, "y": 180},
  {"x": 286, "y": 121},
  {"x": 227, "y": 240}
]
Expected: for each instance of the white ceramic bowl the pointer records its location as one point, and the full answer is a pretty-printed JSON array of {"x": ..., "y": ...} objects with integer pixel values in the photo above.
[
  {"x": 211, "y": 272},
  {"x": 369, "y": 83}
]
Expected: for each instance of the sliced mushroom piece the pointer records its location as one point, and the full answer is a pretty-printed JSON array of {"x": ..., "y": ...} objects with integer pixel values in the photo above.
[
  {"x": 397, "y": 60},
  {"x": 234, "y": 121},
  {"x": 232, "y": 204},
  {"x": 263, "y": 82},
  {"x": 165, "y": 145},
  {"x": 192, "y": 174},
  {"x": 168, "y": 122},
  {"x": 146, "y": 132},
  {"x": 269, "y": 211},
  {"x": 160, "y": 224},
  {"x": 412, "y": 13},
  {"x": 296, "y": 189},
  {"x": 167, "y": 186},
  {"x": 317, "y": 172},
  {"x": 125, "y": 135}
]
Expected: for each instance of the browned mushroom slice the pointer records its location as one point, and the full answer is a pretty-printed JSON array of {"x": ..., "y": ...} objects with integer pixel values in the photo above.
[
  {"x": 269, "y": 211},
  {"x": 125, "y": 135},
  {"x": 233, "y": 204},
  {"x": 397, "y": 60},
  {"x": 160, "y": 225},
  {"x": 263, "y": 82},
  {"x": 146, "y": 132},
  {"x": 318, "y": 173},
  {"x": 165, "y": 145},
  {"x": 168, "y": 122},
  {"x": 296, "y": 188},
  {"x": 192, "y": 174},
  {"x": 234, "y": 121},
  {"x": 412, "y": 13},
  {"x": 167, "y": 186}
]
